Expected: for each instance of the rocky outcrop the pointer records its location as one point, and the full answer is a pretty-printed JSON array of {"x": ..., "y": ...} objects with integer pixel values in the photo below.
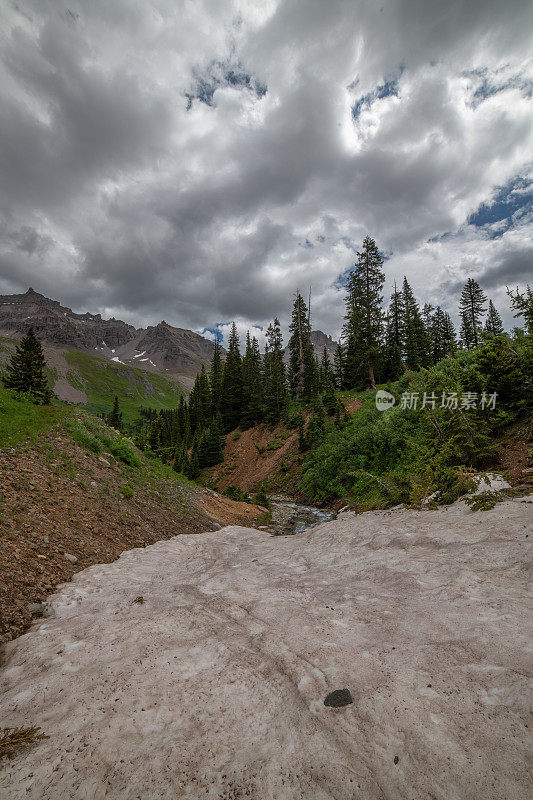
[
  {"x": 159, "y": 348},
  {"x": 319, "y": 340},
  {"x": 58, "y": 324}
]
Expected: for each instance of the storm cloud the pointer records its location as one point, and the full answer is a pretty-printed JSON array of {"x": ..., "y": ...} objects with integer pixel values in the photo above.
[{"x": 198, "y": 162}]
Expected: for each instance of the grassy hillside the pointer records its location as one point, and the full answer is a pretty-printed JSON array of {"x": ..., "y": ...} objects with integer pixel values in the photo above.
[
  {"x": 101, "y": 380},
  {"x": 22, "y": 421},
  {"x": 74, "y": 492}
]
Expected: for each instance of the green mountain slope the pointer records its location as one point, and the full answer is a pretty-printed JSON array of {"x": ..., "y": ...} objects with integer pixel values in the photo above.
[{"x": 101, "y": 380}]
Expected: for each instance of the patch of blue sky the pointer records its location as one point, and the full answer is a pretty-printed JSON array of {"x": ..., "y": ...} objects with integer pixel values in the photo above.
[
  {"x": 390, "y": 88},
  {"x": 492, "y": 83},
  {"x": 218, "y": 75},
  {"x": 509, "y": 205}
]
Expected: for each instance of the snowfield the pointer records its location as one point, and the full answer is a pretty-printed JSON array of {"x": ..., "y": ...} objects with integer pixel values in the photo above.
[{"x": 214, "y": 685}]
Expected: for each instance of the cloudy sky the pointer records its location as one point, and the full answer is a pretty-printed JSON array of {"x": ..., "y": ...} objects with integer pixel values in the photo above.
[{"x": 198, "y": 160}]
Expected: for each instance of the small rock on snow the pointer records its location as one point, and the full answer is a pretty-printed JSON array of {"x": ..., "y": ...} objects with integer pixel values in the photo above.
[{"x": 338, "y": 698}]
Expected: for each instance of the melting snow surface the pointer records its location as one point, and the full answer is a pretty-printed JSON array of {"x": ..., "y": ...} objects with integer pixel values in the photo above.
[
  {"x": 214, "y": 686},
  {"x": 116, "y": 358}
]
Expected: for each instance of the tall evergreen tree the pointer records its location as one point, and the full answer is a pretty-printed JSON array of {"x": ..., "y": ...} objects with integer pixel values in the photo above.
[
  {"x": 302, "y": 364},
  {"x": 274, "y": 377},
  {"x": 396, "y": 318},
  {"x": 338, "y": 364},
  {"x": 449, "y": 337},
  {"x": 355, "y": 364},
  {"x": 416, "y": 339},
  {"x": 427, "y": 315},
  {"x": 232, "y": 383},
  {"x": 115, "y": 417},
  {"x": 252, "y": 383},
  {"x": 216, "y": 375},
  {"x": 471, "y": 309},
  {"x": 363, "y": 328},
  {"x": 522, "y": 303},
  {"x": 325, "y": 372},
  {"x": 391, "y": 361},
  {"x": 25, "y": 371},
  {"x": 493, "y": 323},
  {"x": 209, "y": 451},
  {"x": 200, "y": 402}
]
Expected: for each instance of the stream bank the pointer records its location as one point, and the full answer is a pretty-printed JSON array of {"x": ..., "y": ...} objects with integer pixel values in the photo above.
[{"x": 289, "y": 518}]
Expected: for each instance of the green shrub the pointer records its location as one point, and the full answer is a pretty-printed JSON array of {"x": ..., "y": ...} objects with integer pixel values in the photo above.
[
  {"x": 127, "y": 491},
  {"x": 261, "y": 498},
  {"x": 234, "y": 493}
]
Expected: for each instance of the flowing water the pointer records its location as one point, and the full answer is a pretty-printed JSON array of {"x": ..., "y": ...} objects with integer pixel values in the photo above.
[{"x": 289, "y": 517}]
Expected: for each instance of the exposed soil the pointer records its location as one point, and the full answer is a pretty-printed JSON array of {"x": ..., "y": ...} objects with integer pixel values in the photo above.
[
  {"x": 515, "y": 454},
  {"x": 262, "y": 454},
  {"x": 351, "y": 406},
  {"x": 265, "y": 454},
  {"x": 56, "y": 498}
]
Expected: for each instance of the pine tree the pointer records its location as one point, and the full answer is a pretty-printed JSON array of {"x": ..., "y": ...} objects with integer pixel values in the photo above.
[
  {"x": 193, "y": 471},
  {"x": 391, "y": 360},
  {"x": 522, "y": 303},
  {"x": 449, "y": 338},
  {"x": 274, "y": 377},
  {"x": 25, "y": 371},
  {"x": 115, "y": 417},
  {"x": 338, "y": 362},
  {"x": 302, "y": 364},
  {"x": 427, "y": 316},
  {"x": 396, "y": 318},
  {"x": 181, "y": 460},
  {"x": 325, "y": 372},
  {"x": 155, "y": 434},
  {"x": 493, "y": 323},
  {"x": 216, "y": 376},
  {"x": 392, "y": 366},
  {"x": 471, "y": 309},
  {"x": 182, "y": 428},
  {"x": 232, "y": 383},
  {"x": 416, "y": 340},
  {"x": 200, "y": 402},
  {"x": 363, "y": 328},
  {"x": 209, "y": 450},
  {"x": 252, "y": 383},
  {"x": 355, "y": 364}
]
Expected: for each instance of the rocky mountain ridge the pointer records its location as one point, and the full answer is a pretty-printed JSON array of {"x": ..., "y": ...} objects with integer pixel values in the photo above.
[{"x": 160, "y": 348}]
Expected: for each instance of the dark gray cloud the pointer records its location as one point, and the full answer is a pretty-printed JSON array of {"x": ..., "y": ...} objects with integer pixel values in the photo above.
[
  {"x": 514, "y": 267},
  {"x": 198, "y": 162}
]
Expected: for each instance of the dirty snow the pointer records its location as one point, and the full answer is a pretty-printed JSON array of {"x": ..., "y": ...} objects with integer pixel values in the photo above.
[{"x": 214, "y": 686}]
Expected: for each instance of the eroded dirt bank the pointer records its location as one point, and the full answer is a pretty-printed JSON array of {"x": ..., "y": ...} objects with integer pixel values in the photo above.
[
  {"x": 214, "y": 686},
  {"x": 63, "y": 509}
]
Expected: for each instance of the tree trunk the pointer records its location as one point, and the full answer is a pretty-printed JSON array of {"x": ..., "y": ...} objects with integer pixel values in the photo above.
[{"x": 371, "y": 374}]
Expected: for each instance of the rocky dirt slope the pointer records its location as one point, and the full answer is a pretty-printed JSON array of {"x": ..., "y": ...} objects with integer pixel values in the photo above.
[
  {"x": 266, "y": 455},
  {"x": 62, "y": 508},
  {"x": 214, "y": 685}
]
